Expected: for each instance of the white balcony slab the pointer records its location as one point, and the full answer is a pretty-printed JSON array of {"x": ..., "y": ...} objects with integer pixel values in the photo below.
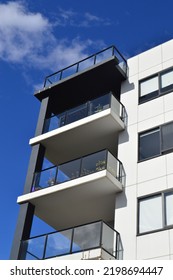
[
  {"x": 94, "y": 254},
  {"x": 82, "y": 200},
  {"x": 84, "y": 136}
]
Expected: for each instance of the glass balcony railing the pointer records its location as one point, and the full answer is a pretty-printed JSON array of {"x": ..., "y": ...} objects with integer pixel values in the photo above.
[
  {"x": 78, "y": 239},
  {"x": 87, "y": 109},
  {"x": 85, "y": 63},
  {"x": 79, "y": 167}
]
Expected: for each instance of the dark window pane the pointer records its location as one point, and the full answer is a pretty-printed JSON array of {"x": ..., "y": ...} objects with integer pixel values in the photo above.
[
  {"x": 167, "y": 136},
  {"x": 99, "y": 104},
  {"x": 76, "y": 113},
  {"x": 149, "y": 144}
]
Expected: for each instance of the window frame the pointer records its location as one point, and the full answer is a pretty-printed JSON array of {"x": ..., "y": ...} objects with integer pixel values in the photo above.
[
  {"x": 163, "y": 206},
  {"x": 161, "y": 140},
  {"x": 160, "y": 89}
]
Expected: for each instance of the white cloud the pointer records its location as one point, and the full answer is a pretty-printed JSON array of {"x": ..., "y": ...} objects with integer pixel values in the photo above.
[
  {"x": 14, "y": 15},
  {"x": 21, "y": 32},
  {"x": 71, "y": 18},
  {"x": 28, "y": 38}
]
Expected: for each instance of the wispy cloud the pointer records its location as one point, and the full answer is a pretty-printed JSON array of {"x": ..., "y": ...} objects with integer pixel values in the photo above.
[
  {"x": 28, "y": 38},
  {"x": 71, "y": 18}
]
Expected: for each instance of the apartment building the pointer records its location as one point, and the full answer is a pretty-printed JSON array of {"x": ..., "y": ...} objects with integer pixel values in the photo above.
[{"x": 101, "y": 167}]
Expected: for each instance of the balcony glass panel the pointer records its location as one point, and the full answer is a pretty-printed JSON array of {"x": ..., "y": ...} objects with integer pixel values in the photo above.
[
  {"x": 58, "y": 243},
  {"x": 86, "y": 237},
  {"x": 93, "y": 163},
  {"x": 108, "y": 239},
  {"x": 46, "y": 178},
  {"x": 99, "y": 104},
  {"x": 76, "y": 114},
  {"x": 68, "y": 171},
  {"x": 34, "y": 248},
  {"x": 89, "y": 108},
  {"x": 80, "y": 167},
  {"x": 77, "y": 239},
  {"x": 87, "y": 62}
]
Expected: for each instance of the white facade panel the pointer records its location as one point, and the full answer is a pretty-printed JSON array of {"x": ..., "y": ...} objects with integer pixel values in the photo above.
[
  {"x": 125, "y": 221},
  {"x": 150, "y": 58},
  {"x": 130, "y": 97},
  {"x": 133, "y": 64},
  {"x": 128, "y": 150},
  {"x": 167, "y": 50},
  {"x": 169, "y": 164},
  {"x": 168, "y": 104},
  {"x": 149, "y": 72},
  {"x": 151, "y": 123},
  {"x": 152, "y": 186},
  {"x": 153, "y": 245},
  {"x": 146, "y": 112},
  {"x": 169, "y": 179},
  {"x": 151, "y": 169}
]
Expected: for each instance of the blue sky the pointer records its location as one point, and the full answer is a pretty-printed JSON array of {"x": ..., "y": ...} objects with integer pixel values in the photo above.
[{"x": 43, "y": 36}]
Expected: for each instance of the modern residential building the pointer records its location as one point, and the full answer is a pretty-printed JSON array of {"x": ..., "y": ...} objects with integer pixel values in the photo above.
[{"x": 101, "y": 167}]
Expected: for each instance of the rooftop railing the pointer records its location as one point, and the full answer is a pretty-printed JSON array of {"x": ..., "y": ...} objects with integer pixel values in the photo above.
[
  {"x": 84, "y": 110},
  {"x": 77, "y": 239},
  {"x": 78, "y": 168},
  {"x": 87, "y": 62}
]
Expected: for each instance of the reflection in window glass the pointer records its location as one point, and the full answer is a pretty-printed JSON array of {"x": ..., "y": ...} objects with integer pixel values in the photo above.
[
  {"x": 150, "y": 214},
  {"x": 86, "y": 237},
  {"x": 68, "y": 171},
  {"x": 35, "y": 247},
  {"x": 167, "y": 136},
  {"x": 149, "y": 144},
  {"x": 93, "y": 163},
  {"x": 149, "y": 89},
  {"x": 167, "y": 81},
  {"x": 169, "y": 208},
  {"x": 58, "y": 243}
]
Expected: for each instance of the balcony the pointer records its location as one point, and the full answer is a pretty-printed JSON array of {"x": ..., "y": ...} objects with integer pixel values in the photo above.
[
  {"x": 87, "y": 62},
  {"x": 95, "y": 240},
  {"x": 99, "y": 72},
  {"x": 83, "y": 190},
  {"x": 87, "y": 109},
  {"x": 91, "y": 126}
]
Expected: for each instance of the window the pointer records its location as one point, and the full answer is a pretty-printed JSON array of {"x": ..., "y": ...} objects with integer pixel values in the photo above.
[
  {"x": 155, "y": 212},
  {"x": 155, "y": 86},
  {"x": 156, "y": 141},
  {"x": 149, "y": 89},
  {"x": 149, "y": 144},
  {"x": 166, "y": 81}
]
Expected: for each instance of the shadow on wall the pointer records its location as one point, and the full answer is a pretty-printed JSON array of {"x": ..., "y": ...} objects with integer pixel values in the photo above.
[
  {"x": 124, "y": 137},
  {"x": 121, "y": 199},
  {"x": 127, "y": 87},
  {"x": 120, "y": 250}
]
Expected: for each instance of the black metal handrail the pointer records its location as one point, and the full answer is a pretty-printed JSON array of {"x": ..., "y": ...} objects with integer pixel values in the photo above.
[
  {"x": 81, "y": 170},
  {"x": 114, "y": 52},
  {"x": 108, "y": 240}
]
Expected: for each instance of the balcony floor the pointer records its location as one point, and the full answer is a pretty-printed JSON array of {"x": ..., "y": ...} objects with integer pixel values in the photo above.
[
  {"x": 78, "y": 201},
  {"x": 94, "y": 254},
  {"x": 82, "y": 137}
]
